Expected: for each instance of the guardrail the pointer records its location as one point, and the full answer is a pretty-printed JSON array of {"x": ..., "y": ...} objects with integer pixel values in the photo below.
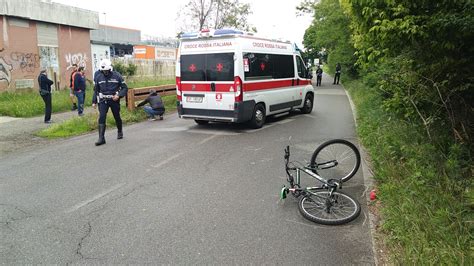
[{"x": 140, "y": 94}]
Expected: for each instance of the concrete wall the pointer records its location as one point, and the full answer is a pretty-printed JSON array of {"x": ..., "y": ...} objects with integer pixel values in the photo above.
[
  {"x": 19, "y": 58},
  {"x": 151, "y": 68},
  {"x": 51, "y": 12},
  {"x": 74, "y": 48},
  {"x": 110, "y": 34}
]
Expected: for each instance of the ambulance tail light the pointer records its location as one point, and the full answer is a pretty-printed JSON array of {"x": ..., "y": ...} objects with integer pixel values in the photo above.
[
  {"x": 238, "y": 89},
  {"x": 178, "y": 89}
]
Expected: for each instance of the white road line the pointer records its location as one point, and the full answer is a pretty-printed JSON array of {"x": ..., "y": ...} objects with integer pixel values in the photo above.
[
  {"x": 311, "y": 116},
  {"x": 167, "y": 160},
  {"x": 262, "y": 128},
  {"x": 169, "y": 129},
  {"x": 96, "y": 197},
  {"x": 213, "y": 132},
  {"x": 285, "y": 121},
  {"x": 207, "y": 139}
]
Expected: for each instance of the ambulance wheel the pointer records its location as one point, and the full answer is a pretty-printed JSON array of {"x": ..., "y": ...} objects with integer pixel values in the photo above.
[
  {"x": 201, "y": 122},
  {"x": 308, "y": 104},
  {"x": 258, "y": 117}
]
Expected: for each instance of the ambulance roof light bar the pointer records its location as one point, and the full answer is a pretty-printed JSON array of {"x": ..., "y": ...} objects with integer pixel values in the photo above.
[{"x": 212, "y": 33}]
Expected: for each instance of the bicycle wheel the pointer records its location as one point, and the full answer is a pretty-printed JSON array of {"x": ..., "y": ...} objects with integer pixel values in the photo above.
[
  {"x": 336, "y": 159},
  {"x": 321, "y": 208}
]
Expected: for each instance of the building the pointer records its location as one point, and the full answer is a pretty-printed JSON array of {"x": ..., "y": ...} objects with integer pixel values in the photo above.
[
  {"x": 154, "y": 52},
  {"x": 39, "y": 35},
  {"x": 111, "y": 42}
]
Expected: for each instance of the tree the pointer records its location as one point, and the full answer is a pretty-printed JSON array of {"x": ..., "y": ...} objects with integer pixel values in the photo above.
[
  {"x": 431, "y": 42},
  {"x": 217, "y": 14},
  {"x": 329, "y": 32}
]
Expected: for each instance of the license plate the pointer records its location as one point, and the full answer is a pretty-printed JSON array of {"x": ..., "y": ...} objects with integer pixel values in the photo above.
[{"x": 191, "y": 99}]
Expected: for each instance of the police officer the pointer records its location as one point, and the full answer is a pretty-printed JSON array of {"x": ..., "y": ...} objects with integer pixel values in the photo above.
[
  {"x": 337, "y": 75},
  {"x": 109, "y": 87}
]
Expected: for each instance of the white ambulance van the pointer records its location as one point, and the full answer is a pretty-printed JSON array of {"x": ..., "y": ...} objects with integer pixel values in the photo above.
[{"x": 231, "y": 76}]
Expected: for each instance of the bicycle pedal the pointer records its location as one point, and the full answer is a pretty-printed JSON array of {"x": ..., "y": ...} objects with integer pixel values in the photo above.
[{"x": 283, "y": 192}]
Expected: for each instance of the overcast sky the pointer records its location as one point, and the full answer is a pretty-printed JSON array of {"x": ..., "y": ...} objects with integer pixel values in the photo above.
[{"x": 273, "y": 18}]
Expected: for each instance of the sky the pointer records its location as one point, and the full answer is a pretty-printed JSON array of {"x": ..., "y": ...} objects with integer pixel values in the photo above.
[{"x": 273, "y": 18}]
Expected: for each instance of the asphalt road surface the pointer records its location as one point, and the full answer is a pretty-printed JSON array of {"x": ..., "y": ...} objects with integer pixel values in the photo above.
[{"x": 173, "y": 192}]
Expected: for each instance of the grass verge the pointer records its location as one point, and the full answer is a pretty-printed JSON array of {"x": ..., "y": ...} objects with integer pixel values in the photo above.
[
  {"x": 29, "y": 103},
  {"x": 81, "y": 125},
  {"x": 427, "y": 207}
]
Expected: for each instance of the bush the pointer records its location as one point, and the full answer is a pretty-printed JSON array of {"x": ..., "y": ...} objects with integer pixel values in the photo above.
[
  {"x": 425, "y": 190},
  {"x": 125, "y": 69}
]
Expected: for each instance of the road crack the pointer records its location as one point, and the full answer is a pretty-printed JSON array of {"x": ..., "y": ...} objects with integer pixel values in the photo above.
[{"x": 83, "y": 238}]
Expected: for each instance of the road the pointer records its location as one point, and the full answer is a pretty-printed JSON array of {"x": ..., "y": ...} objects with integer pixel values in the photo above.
[{"x": 172, "y": 192}]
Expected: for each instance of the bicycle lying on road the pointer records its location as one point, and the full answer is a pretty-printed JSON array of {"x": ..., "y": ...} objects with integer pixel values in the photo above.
[{"x": 332, "y": 163}]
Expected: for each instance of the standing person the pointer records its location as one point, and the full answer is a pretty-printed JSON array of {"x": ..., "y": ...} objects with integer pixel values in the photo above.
[
  {"x": 338, "y": 73},
  {"x": 80, "y": 89},
  {"x": 109, "y": 87},
  {"x": 156, "y": 106},
  {"x": 45, "y": 92},
  {"x": 319, "y": 76},
  {"x": 71, "y": 87}
]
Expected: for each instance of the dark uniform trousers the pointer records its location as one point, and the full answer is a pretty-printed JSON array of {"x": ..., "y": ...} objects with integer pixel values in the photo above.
[
  {"x": 47, "y": 109},
  {"x": 115, "y": 107}
]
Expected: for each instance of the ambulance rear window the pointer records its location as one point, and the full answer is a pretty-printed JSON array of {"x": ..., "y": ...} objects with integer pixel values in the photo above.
[{"x": 207, "y": 67}]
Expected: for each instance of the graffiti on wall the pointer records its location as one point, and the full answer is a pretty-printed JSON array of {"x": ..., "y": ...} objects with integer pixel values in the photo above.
[
  {"x": 5, "y": 71},
  {"x": 26, "y": 62},
  {"x": 96, "y": 58},
  {"x": 80, "y": 59}
]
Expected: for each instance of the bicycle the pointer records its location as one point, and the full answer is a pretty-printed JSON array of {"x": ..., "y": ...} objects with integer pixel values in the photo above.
[{"x": 338, "y": 160}]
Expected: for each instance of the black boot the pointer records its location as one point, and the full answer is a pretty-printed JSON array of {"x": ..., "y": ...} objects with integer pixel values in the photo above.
[
  {"x": 119, "y": 131},
  {"x": 74, "y": 107},
  {"x": 101, "y": 135}
]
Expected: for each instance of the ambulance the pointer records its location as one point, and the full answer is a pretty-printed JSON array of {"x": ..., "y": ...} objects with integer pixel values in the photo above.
[{"x": 231, "y": 76}]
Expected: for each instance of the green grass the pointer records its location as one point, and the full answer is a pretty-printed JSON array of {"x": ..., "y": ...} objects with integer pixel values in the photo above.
[
  {"x": 147, "y": 82},
  {"x": 81, "y": 125},
  {"x": 29, "y": 103},
  {"x": 427, "y": 207}
]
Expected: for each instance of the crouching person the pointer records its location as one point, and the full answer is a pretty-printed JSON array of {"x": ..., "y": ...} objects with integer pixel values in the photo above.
[
  {"x": 109, "y": 87},
  {"x": 156, "y": 106}
]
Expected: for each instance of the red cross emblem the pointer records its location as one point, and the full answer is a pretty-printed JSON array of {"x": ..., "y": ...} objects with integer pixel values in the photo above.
[
  {"x": 262, "y": 66},
  {"x": 192, "y": 68},
  {"x": 219, "y": 67}
]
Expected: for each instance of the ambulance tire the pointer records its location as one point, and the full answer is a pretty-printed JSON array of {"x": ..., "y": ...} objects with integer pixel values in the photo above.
[
  {"x": 258, "y": 117},
  {"x": 201, "y": 122},
  {"x": 308, "y": 104}
]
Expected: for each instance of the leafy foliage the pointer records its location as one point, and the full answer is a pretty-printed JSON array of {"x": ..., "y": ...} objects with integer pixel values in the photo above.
[
  {"x": 125, "y": 69},
  {"x": 330, "y": 34},
  {"x": 415, "y": 113},
  {"x": 217, "y": 14}
]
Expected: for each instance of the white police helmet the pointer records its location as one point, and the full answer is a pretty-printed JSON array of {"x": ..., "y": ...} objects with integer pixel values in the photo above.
[{"x": 105, "y": 64}]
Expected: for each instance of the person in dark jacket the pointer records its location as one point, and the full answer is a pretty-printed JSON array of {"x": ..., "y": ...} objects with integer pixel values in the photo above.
[
  {"x": 71, "y": 87},
  {"x": 45, "y": 92},
  {"x": 109, "y": 87},
  {"x": 337, "y": 74},
  {"x": 80, "y": 89},
  {"x": 319, "y": 76},
  {"x": 156, "y": 106}
]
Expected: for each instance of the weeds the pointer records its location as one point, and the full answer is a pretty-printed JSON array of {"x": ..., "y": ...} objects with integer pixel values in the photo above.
[
  {"x": 81, "y": 125},
  {"x": 425, "y": 191},
  {"x": 29, "y": 103}
]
